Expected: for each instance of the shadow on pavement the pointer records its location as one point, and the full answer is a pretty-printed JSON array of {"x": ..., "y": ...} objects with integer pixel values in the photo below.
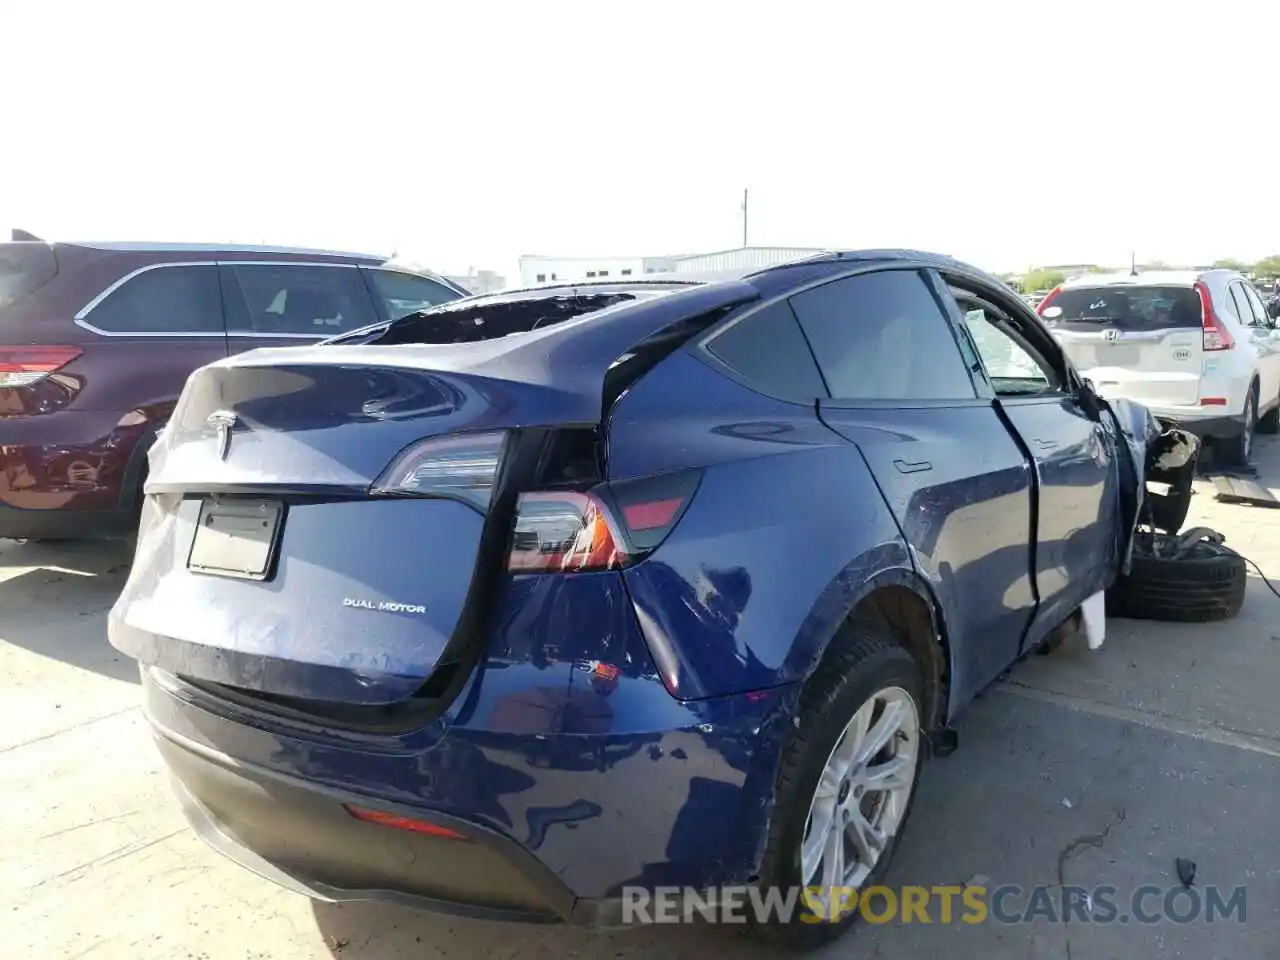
[
  {"x": 57, "y": 605},
  {"x": 366, "y": 931}
]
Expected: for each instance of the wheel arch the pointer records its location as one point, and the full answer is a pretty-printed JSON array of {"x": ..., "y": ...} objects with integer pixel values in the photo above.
[{"x": 899, "y": 600}]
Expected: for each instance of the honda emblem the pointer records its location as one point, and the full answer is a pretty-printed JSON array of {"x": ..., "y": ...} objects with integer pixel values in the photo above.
[{"x": 1111, "y": 336}]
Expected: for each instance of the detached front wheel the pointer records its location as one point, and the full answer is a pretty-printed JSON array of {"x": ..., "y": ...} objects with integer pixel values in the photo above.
[
  {"x": 846, "y": 785},
  {"x": 1205, "y": 583}
]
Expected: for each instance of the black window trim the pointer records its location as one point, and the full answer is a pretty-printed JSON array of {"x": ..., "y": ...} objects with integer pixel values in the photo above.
[
  {"x": 1056, "y": 391},
  {"x": 703, "y": 350},
  {"x": 1256, "y": 301},
  {"x": 928, "y": 274},
  {"x": 1243, "y": 293},
  {"x": 81, "y": 318}
]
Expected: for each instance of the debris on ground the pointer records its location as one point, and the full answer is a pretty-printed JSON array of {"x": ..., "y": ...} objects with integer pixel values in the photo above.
[
  {"x": 1186, "y": 871},
  {"x": 1243, "y": 490}
]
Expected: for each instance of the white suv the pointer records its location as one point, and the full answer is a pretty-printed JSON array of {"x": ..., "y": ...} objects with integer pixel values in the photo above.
[{"x": 1196, "y": 348}]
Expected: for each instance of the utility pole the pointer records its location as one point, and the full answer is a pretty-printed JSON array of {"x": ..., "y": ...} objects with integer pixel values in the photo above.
[
  {"x": 744, "y": 217},
  {"x": 1133, "y": 264}
]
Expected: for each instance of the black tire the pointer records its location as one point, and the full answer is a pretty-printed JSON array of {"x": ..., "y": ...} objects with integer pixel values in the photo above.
[
  {"x": 1270, "y": 421},
  {"x": 862, "y": 660},
  {"x": 1208, "y": 584},
  {"x": 1237, "y": 451}
]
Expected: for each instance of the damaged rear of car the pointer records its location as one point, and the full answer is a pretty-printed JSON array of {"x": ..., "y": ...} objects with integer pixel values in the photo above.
[{"x": 525, "y": 605}]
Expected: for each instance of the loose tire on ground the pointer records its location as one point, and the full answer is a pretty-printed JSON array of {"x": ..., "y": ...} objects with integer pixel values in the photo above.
[
  {"x": 1207, "y": 584},
  {"x": 862, "y": 662}
]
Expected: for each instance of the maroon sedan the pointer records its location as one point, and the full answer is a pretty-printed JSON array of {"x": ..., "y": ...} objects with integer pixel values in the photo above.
[{"x": 97, "y": 340}]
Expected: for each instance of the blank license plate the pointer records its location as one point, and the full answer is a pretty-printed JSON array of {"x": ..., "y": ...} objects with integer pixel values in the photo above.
[
  {"x": 236, "y": 538},
  {"x": 1123, "y": 355}
]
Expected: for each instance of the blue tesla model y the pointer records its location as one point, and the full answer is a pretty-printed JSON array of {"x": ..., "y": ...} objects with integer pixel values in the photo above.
[{"x": 517, "y": 603}]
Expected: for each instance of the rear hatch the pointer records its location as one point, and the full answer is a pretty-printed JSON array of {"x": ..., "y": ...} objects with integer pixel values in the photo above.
[
  {"x": 1136, "y": 341},
  {"x": 319, "y": 521}
]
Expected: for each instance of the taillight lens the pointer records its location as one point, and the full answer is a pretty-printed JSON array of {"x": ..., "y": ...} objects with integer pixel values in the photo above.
[
  {"x": 1215, "y": 335},
  {"x": 460, "y": 467},
  {"x": 23, "y": 366},
  {"x": 1047, "y": 302},
  {"x": 559, "y": 532},
  {"x": 609, "y": 527}
]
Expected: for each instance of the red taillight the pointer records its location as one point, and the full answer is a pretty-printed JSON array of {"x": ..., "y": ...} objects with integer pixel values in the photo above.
[
  {"x": 23, "y": 366},
  {"x": 562, "y": 532},
  {"x": 1214, "y": 333},
  {"x": 403, "y": 823},
  {"x": 1048, "y": 300},
  {"x": 607, "y": 528}
]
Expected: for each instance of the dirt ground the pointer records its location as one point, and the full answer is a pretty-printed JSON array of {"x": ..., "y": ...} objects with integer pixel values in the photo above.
[{"x": 1081, "y": 768}]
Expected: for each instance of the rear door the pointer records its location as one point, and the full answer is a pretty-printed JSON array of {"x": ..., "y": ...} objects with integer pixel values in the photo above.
[
  {"x": 285, "y": 304},
  {"x": 1136, "y": 341},
  {"x": 1265, "y": 339},
  {"x": 154, "y": 327},
  {"x": 949, "y": 469},
  {"x": 1075, "y": 524}
]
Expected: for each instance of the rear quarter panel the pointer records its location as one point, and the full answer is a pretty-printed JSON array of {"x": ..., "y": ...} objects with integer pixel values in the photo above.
[{"x": 785, "y": 533}]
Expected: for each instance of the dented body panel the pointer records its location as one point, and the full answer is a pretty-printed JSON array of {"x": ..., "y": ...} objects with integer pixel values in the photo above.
[{"x": 592, "y": 730}]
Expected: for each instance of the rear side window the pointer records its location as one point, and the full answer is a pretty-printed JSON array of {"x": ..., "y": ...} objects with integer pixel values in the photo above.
[
  {"x": 24, "y": 269},
  {"x": 297, "y": 300},
  {"x": 768, "y": 350},
  {"x": 404, "y": 293},
  {"x": 1240, "y": 304},
  {"x": 1137, "y": 307},
  {"x": 169, "y": 299},
  {"x": 882, "y": 336}
]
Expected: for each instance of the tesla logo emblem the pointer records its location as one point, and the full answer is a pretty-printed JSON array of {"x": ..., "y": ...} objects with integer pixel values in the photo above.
[
  {"x": 1111, "y": 336},
  {"x": 223, "y": 421}
]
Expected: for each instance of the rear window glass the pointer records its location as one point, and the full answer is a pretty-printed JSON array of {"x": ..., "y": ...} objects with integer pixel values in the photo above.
[
  {"x": 768, "y": 350},
  {"x": 24, "y": 269},
  {"x": 1127, "y": 308}
]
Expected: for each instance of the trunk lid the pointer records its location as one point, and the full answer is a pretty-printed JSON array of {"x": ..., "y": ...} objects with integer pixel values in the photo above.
[
  {"x": 268, "y": 562},
  {"x": 1140, "y": 342}
]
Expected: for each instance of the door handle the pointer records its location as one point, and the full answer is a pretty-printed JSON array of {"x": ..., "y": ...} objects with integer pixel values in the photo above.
[{"x": 905, "y": 466}]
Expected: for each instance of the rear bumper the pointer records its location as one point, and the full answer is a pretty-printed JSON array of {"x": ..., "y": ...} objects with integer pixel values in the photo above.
[
  {"x": 570, "y": 785},
  {"x": 302, "y": 838}
]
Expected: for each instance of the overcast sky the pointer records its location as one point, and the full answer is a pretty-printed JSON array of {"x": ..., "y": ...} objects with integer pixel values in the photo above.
[{"x": 466, "y": 134}]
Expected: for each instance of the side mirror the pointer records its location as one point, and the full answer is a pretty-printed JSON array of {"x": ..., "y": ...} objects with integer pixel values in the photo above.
[{"x": 1088, "y": 400}]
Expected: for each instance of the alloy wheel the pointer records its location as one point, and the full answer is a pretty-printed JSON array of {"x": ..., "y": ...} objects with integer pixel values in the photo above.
[{"x": 863, "y": 792}]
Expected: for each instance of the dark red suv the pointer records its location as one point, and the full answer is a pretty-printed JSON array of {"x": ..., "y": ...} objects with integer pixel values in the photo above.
[{"x": 97, "y": 341}]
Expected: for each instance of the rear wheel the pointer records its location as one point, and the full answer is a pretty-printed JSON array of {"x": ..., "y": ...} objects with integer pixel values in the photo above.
[
  {"x": 846, "y": 784},
  {"x": 1239, "y": 448},
  {"x": 1269, "y": 422}
]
